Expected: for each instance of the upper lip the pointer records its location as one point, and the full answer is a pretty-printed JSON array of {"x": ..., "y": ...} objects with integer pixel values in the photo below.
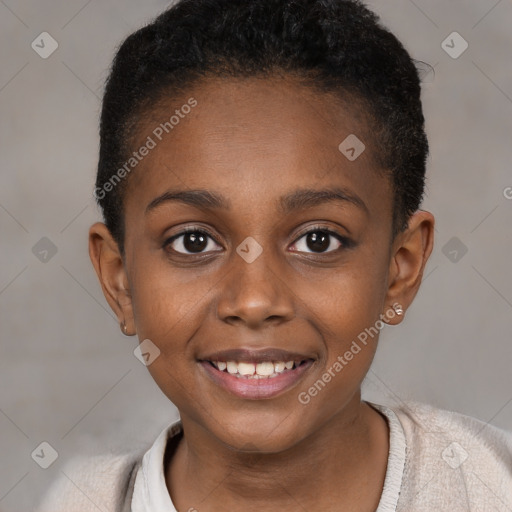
[{"x": 251, "y": 355}]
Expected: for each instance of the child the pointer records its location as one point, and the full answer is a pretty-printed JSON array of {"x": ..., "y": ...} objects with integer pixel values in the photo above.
[{"x": 261, "y": 169}]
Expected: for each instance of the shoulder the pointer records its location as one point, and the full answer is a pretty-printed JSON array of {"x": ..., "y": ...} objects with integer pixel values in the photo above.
[
  {"x": 427, "y": 425},
  {"x": 454, "y": 460},
  {"x": 101, "y": 482}
]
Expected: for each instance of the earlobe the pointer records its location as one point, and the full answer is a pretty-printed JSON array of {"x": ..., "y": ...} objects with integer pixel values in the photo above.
[
  {"x": 411, "y": 251},
  {"x": 108, "y": 263}
]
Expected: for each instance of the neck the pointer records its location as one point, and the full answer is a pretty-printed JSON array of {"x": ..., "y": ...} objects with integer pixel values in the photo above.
[{"x": 341, "y": 467}]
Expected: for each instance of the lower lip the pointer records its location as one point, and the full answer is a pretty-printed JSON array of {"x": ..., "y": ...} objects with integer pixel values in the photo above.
[{"x": 256, "y": 389}]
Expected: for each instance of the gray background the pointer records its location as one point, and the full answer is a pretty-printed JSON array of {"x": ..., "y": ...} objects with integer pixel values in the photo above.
[{"x": 67, "y": 374}]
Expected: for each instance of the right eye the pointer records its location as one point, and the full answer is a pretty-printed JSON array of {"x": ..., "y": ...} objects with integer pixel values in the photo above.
[{"x": 190, "y": 241}]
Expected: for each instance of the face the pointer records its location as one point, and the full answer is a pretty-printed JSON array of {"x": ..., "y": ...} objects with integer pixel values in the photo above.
[{"x": 256, "y": 253}]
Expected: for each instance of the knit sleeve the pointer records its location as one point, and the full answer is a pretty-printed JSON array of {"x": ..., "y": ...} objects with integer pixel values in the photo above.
[
  {"x": 89, "y": 484},
  {"x": 454, "y": 462}
]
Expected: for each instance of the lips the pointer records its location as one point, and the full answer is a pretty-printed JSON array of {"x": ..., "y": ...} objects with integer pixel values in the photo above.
[{"x": 256, "y": 374}]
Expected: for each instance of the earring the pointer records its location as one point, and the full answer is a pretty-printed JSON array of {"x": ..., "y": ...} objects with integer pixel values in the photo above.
[{"x": 398, "y": 309}]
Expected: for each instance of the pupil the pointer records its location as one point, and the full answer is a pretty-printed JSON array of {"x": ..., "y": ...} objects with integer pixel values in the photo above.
[
  {"x": 194, "y": 242},
  {"x": 318, "y": 241}
]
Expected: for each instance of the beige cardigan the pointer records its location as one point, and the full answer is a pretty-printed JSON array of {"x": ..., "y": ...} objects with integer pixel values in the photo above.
[{"x": 438, "y": 461}]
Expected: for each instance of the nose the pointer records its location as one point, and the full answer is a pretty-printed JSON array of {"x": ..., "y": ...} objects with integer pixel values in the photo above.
[{"x": 254, "y": 294}]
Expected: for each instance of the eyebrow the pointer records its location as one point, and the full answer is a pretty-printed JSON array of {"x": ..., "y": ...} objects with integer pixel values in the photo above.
[{"x": 300, "y": 199}]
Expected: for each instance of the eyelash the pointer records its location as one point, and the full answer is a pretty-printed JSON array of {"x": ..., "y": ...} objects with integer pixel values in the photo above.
[{"x": 344, "y": 241}]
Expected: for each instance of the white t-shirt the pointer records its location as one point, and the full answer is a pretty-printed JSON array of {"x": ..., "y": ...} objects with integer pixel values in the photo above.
[{"x": 438, "y": 460}]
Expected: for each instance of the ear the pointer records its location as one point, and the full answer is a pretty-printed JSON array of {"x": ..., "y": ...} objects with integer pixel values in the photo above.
[
  {"x": 109, "y": 265},
  {"x": 410, "y": 252}
]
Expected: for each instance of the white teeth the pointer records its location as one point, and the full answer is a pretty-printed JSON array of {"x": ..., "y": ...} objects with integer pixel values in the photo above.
[
  {"x": 279, "y": 367},
  {"x": 246, "y": 368},
  {"x": 232, "y": 367},
  {"x": 263, "y": 370}
]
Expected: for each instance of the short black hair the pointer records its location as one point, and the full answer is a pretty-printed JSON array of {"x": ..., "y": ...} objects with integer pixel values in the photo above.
[{"x": 337, "y": 46}]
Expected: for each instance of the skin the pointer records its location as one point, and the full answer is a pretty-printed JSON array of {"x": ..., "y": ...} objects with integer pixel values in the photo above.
[{"x": 254, "y": 141}]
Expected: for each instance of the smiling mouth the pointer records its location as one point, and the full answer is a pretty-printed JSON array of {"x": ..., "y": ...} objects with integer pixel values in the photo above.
[
  {"x": 256, "y": 374},
  {"x": 257, "y": 370}
]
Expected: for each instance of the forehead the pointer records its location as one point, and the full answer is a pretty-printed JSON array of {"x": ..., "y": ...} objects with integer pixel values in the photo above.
[{"x": 253, "y": 140}]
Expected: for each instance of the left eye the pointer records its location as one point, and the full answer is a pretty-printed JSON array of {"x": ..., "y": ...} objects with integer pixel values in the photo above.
[{"x": 319, "y": 241}]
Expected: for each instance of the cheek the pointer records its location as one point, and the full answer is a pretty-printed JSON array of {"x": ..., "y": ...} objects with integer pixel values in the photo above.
[
  {"x": 168, "y": 311},
  {"x": 167, "y": 303},
  {"x": 346, "y": 307},
  {"x": 346, "y": 310},
  {"x": 345, "y": 301}
]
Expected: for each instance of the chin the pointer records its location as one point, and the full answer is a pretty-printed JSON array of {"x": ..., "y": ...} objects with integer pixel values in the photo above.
[{"x": 270, "y": 434}]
